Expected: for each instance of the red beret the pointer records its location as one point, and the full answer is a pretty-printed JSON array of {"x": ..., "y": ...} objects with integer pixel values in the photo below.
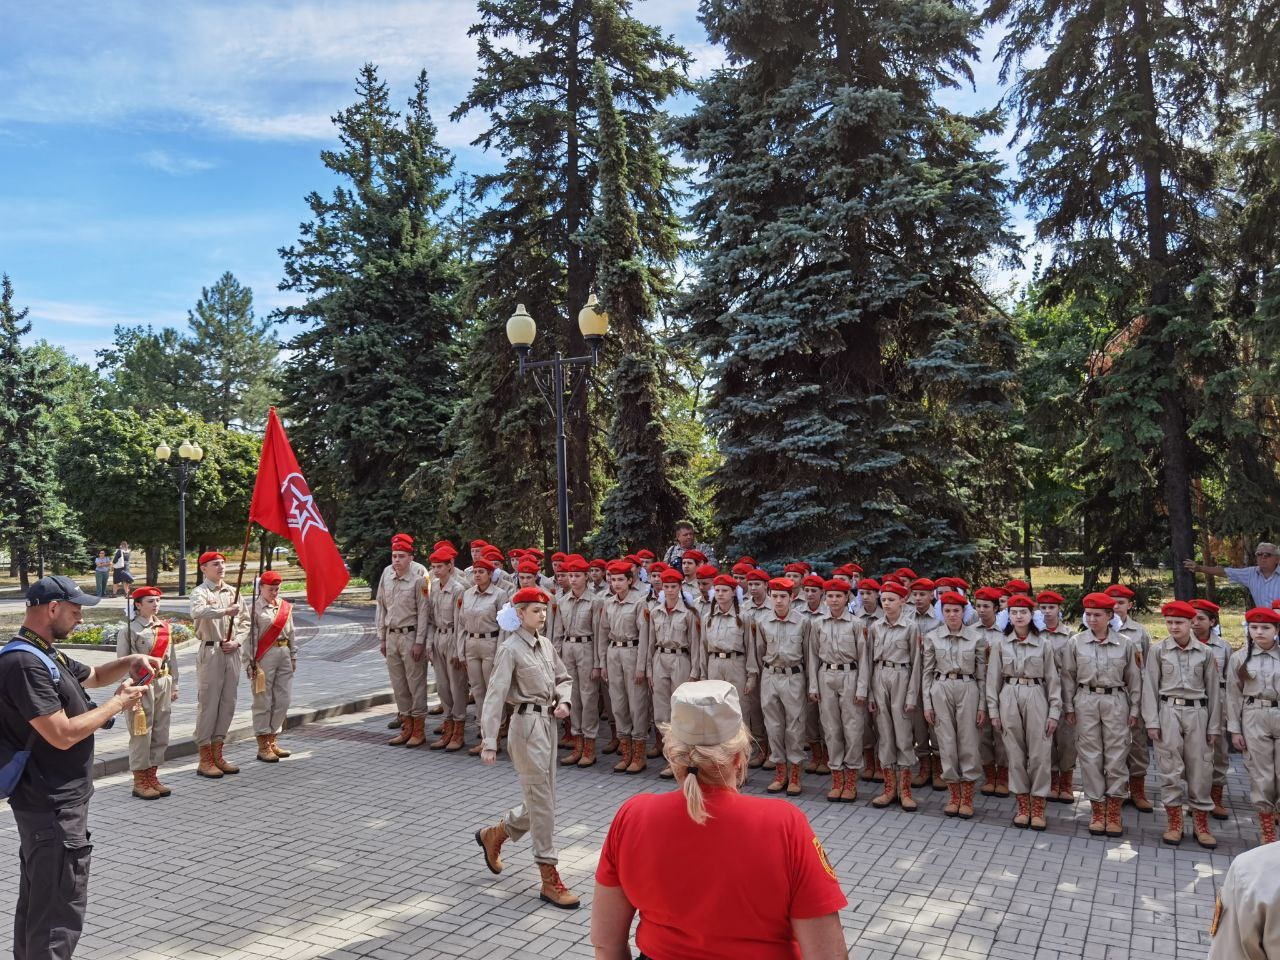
[
  {"x": 1119, "y": 590},
  {"x": 441, "y": 556},
  {"x": 209, "y": 556},
  {"x": 866, "y": 583},
  {"x": 759, "y": 575},
  {"x": 598, "y": 564},
  {"x": 749, "y": 561},
  {"x": 923, "y": 583},
  {"x": 1275, "y": 604},
  {"x": 1178, "y": 608},
  {"x": 617, "y": 567},
  {"x": 445, "y": 545},
  {"x": 1263, "y": 615},
  {"x": 783, "y": 584},
  {"x": 743, "y": 567},
  {"x": 992, "y": 594},
  {"x": 893, "y": 586},
  {"x": 1021, "y": 600},
  {"x": 961, "y": 582},
  {"x": 533, "y": 552},
  {"x": 1098, "y": 601},
  {"x": 1208, "y": 606},
  {"x": 558, "y": 555},
  {"x": 794, "y": 567},
  {"x": 951, "y": 598},
  {"x": 1017, "y": 586},
  {"x": 905, "y": 572},
  {"x": 516, "y": 553},
  {"x": 706, "y": 572},
  {"x": 527, "y": 566},
  {"x": 484, "y": 563},
  {"x": 892, "y": 578},
  {"x": 493, "y": 553},
  {"x": 658, "y": 566},
  {"x": 479, "y": 543},
  {"x": 724, "y": 580},
  {"x": 853, "y": 568},
  {"x": 1048, "y": 596},
  {"x": 813, "y": 580},
  {"x": 838, "y": 585},
  {"x": 143, "y": 592},
  {"x": 671, "y": 576},
  {"x": 644, "y": 554},
  {"x": 270, "y": 578},
  {"x": 574, "y": 564},
  {"x": 697, "y": 556},
  {"x": 530, "y": 595}
]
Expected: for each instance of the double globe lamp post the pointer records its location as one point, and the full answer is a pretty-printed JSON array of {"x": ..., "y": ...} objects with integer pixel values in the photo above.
[
  {"x": 189, "y": 457},
  {"x": 550, "y": 378}
]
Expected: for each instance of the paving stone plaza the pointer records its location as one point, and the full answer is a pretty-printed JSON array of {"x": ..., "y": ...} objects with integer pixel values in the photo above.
[{"x": 355, "y": 849}]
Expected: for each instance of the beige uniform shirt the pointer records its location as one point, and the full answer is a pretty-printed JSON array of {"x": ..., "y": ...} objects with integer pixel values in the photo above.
[
  {"x": 1246, "y": 924},
  {"x": 263, "y": 617},
  {"x": 1263, "y": 680},
  {"x": 478, "y": 612},
  {"x": 926, "y": 622},
  {"x": 442, "y": 631},
  {"x": 722, "y": 633},
  {"x": 1033, "y": 659},
  {"x": 1137, "y": 635},
  {"x": 786, "y": 642},
  {"x": 1187, "y": 673},
  {"x": 1090, "y": 663},
  {"x": 893, "y": 643},
  {"x": 402, "y": 602},
  {"x": 623, "y": 618},
  {"x": 841, "y": 639},
  {"x": 675, "y": 630},
  {"x": 525, "y": 670},
  {"x": 945, "y": 653},
  {"x": 206, "y": 602},
  {"x": 139, "y": 636}
]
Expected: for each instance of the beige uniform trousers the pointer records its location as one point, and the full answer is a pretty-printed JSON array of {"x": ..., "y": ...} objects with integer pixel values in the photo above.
[
  {"x": 217, "y": 676},
  {"x": 531, "y": 741},
  {"x": 444, "y": 685},
  {"x": 669, "y": 671},
  {"x": 147, "y": 750},
  {"x": 272, "y": 705},
  {"x": 1184, "y": 757},
  {"x": 1221, "y": 750},
  {"x": 1261, "y": 726},
  {"x": 1139, "y": 759},
  {"x": 991, "y": 747},
  {"x": 1064, "y": 747},
  {"x": 782, "y": 698},
  {"x": 408, "y": 676},
  {"x": 630, "y": 699},
  {"x": 734, "y": 670},
  {"x": 923, "y": 734},
  {"x": 1024, "y": 715},
  {"x": 895, "y": 734},
  {"x": 584, "y": 704},
  {"x": 955, "y": 728},
  {"x": 480, "y": 654},
  {"x": 843, "y": 720},
  {"x": 458, "y": 683},
  {"x": 1102, "y": 743}
]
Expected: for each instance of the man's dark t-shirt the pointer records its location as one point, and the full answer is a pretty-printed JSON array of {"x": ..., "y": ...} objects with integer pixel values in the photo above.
[{"x": 53, "y": 778}]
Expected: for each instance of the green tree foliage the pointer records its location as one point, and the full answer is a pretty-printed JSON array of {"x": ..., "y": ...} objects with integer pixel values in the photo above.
[
  {"x": 236, "y": 354},
  {"x": 372, "y": 380},
  {"x": 149, "y": 370},
  {"x": 534, "y": 88},
  {"x": 862, "y": 380},
  {"x": 35, "y": 524}
]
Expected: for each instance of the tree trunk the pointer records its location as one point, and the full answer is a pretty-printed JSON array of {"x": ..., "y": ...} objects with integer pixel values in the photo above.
[
  {"x": 1026, "y": 547},
  {"x": 152, "y": 555}
]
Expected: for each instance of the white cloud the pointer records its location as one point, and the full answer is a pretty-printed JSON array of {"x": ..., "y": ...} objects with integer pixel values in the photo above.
[{"x": 174, "y": 165}]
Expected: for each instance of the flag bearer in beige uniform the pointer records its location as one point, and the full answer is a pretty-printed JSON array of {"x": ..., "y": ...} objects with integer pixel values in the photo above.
[
  {"x": 1102, "y": 695},
  {"x": 478, "y": 629},
  {"x": 783, "y": 640},
  {"x": 675, "y": 646},
  {"x": 444, "y": 647},
  {"x": 1180, "y": 709},
  {"x": 995, "y": 765},
  {"x": 528, "y": 676},
  {"x": 1058, "y": 633},
  {"x": 622, "y": 645},
  {"x": 837, "y": 653},
  {"x": 1253, "y": 692},
  {"x": 1139, "y": 748},
  {"x": 266, "y": 627},
  {"x": 573, "y": 622},
  {"x": 894, "y": 689},
  {"x": 213, "y": 604},
  {"x": 1024, "y": 701},
  {"x": 401, "y": 619},
  {"x": 1204, "y": 629},
  {"x": 954, "y": 691},
  {"x": 146, "y": 633}
]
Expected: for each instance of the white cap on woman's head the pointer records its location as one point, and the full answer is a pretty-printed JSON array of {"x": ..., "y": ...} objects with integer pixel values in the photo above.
[{"x": 705, "y": 712}]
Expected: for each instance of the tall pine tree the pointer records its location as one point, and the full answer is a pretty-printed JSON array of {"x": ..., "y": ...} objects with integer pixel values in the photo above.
[
  {"x": 237, "y": 356},
  {"x": 862, "y": 379},
  {"x": 534, "y": 88},
  {"x": 372, "y": 380}
]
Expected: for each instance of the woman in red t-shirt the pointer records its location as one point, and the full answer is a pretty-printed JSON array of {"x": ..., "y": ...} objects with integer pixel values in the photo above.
[{"x": 773, "y": 893}]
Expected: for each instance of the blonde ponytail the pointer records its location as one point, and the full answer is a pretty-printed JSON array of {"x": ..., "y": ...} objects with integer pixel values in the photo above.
[{"x": 719, "y": 764}]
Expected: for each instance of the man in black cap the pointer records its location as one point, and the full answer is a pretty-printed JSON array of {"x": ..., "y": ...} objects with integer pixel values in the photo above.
[{"x": 51, "y": 802}]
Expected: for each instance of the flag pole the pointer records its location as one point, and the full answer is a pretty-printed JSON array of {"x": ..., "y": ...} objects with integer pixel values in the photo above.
[{"x": 244, "y": 556}]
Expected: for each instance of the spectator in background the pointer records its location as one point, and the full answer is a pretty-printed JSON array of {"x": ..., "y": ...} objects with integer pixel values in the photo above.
[
  {"x": 123, "y": 577},
  {"x": 1261, "y": 580},
  {"x": 102, "y": 571},
  {"x": 686, "y": 539}
]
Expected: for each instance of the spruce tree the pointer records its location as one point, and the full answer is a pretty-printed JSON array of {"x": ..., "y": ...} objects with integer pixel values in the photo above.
[
  {"x": 237, "y": 356},
  {"x": 533, "y": 87},
  {"x": 373, "y": 377},
  {"x": 149, "y": 370},
  {"x": 862, "y": 379}
]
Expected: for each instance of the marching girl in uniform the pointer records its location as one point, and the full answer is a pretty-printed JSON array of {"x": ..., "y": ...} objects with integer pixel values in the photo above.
[
  {"x": 146, "y": 633},
  {"x": 1253, "y": 700}
]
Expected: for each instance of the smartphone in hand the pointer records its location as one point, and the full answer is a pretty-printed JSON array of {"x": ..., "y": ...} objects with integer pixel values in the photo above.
[{"x": 143, "y": 678}]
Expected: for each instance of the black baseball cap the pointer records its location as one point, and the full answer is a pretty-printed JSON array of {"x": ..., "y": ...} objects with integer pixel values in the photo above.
[{"x": 48, "y": 589}]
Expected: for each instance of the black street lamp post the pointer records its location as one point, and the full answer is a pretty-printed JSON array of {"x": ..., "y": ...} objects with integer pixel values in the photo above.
[
  {"x": 189, "y": 457},
  {"x": 553, "y": 382}
]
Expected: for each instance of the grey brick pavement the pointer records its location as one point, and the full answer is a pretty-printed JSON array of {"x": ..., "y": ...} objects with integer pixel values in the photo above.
[{"x": 353, "y": 849}]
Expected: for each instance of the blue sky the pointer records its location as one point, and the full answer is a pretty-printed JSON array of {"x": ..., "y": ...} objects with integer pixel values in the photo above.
[{"x": 145, "y": 148}]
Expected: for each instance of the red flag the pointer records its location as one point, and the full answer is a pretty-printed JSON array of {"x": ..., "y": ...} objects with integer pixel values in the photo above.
[{"x": 282, "y": 503}]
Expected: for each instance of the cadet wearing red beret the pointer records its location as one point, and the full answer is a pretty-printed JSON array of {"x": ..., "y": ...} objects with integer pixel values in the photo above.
[
  {"x": 146, "y": 633},
  {"x": 266, "y": 636},
  {"x": 213, "y": 603}
]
